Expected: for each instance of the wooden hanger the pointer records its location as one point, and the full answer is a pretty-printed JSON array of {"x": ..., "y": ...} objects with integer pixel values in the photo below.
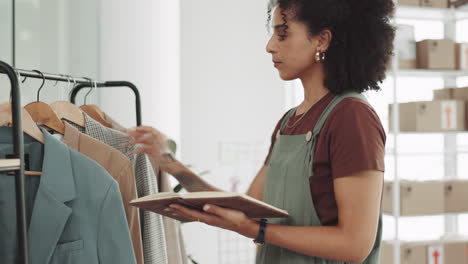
[
  {"x": 96, "y": 113},
  {"x": 44, "y": 114},
  {"x": 93, "y": 110},
  {"x": 28, "y": 124},
  {"x": 69, "y": 111}
]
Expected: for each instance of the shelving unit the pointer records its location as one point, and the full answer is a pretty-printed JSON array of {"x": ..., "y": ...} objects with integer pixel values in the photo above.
[{"x": 449, "y": 17}]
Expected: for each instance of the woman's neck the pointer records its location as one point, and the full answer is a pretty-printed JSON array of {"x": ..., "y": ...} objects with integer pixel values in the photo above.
[{"x": 314, "y": 90}]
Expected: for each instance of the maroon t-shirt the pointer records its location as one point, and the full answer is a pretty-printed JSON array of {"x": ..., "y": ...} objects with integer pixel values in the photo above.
[{"x": 351, "y": 140}]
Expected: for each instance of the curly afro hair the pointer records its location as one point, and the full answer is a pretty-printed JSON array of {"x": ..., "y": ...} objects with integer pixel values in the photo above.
[{"x": 362, "y": 38}]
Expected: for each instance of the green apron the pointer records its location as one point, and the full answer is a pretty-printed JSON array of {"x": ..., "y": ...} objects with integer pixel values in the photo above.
[{"x": 287, "y": 186}]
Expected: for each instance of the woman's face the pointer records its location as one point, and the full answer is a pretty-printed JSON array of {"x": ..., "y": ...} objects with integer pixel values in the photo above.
[{"x": 294, "y": 55}]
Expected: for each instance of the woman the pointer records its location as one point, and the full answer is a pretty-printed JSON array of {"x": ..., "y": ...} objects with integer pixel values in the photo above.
[{"x": 326, "y": 160}]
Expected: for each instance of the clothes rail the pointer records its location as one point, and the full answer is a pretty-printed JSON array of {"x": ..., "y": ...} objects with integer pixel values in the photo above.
[
  {"x": 56, "y": 77},
  {"x": 112, "y": 84},
  {"x": 18, "y": 166},
  {"x": 83, "y": 82}
]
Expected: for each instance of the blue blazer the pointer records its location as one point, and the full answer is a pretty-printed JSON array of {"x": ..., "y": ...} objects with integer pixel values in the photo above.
[{"x": 75, "y": 213}]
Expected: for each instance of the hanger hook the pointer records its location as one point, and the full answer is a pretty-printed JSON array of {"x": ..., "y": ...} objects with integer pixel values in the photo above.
[
  {"x": 68, "y": 80},
  {"x": 42, "y": 85},
  {"x": 90, "y": 89},
  {"x": 73, "y": 85}
]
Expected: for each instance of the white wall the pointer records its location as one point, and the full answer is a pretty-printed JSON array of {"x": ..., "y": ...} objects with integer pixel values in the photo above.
[
  {"x": 139, "y": 42},
  {"x": 230, "y": 92},
  {"x": 51, "y": 36}
]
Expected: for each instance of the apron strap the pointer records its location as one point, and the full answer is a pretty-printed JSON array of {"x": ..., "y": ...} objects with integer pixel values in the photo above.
[
  {"x": 331, "y": 106},
  {"x": 286, "y": 118},
  {"x": 323, "y": 118}
]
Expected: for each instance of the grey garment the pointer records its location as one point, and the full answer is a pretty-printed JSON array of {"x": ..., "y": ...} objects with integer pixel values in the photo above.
[
  {"x": 176, "y": 253},
  {"x": 154, "y": 243},
  {"x": 75, "y": 212}
]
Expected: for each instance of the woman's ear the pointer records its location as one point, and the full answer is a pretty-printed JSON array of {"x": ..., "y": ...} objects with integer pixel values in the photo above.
[{"x": 324, "y": 40}]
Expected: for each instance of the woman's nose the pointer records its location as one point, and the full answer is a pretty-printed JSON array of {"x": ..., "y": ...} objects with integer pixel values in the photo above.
[{"x": 270, "y": 46}]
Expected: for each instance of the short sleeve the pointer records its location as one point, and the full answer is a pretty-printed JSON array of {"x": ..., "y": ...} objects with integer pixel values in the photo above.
[
  {"x": 114, "y": 243},
  {"x": 357, "y": 139}
]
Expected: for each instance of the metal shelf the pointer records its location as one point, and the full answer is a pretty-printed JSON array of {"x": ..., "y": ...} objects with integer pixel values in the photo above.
[
  {"x": 425, "y": 215},
  {"x": 427, "y": 73},
  {"x": 428, "y": 133},
  {"x": 430, "y": 13},
  {"x": 7, "y": 165}
]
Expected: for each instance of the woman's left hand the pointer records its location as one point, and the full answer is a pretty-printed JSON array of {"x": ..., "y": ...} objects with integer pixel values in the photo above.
[{"x": 229, "y": 219}]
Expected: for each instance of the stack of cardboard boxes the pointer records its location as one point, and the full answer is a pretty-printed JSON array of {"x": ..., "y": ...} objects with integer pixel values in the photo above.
[
  {"x": 448, "y": 112},
  {"x": 442, "y": 252},
  {"x": 431, "y": 54},
  {"x": 428, "y": 198},
  {"x": 425, "y": 3}
]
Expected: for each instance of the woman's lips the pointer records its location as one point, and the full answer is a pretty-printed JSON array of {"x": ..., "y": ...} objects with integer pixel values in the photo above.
[{"x": 276, "y": 64}]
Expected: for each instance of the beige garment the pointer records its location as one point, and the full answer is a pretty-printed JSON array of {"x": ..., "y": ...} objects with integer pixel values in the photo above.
[
  {"x": 175, "y": 243},
  {"x": 120, "y": 168},
  {"x": 176, "y": 253}
]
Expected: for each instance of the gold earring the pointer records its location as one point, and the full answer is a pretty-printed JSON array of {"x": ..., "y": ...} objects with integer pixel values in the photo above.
[{"x": 317, "y": 56}]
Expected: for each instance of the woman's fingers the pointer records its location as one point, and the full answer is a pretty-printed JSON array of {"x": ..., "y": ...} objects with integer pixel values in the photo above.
[
  {"x": 147, "y": 139},
  {"x": 194, "y": 214},
  {"x": 141, "y": 150}
]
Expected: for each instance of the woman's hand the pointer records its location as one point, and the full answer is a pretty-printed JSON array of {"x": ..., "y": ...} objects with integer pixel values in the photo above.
[
  {"x": 217, "y": 216},
  {"x": 151, "y": 141}
]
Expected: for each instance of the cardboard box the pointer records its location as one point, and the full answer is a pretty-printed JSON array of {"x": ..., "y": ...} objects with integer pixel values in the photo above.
[
  {"x": 416, "y": 198},
  {"x": 411, "y": 252},
  {"x": 461, "y": 56},
  {"x": 448, "y": 252},
  {"x": 451, "y": 94},
  {"x": 406, "y": 47},
  {"x": 456, "y": 196},
  {"x": 436, "y": 54},
  {"x": 431, "y": 116},
  {"x": 409, "y": 2},
  {"x": 455, "y": 252},
  {"x": 435, "y": 3}
]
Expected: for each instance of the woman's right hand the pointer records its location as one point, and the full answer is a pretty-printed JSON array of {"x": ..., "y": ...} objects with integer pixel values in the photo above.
[{"x": 149, "y": 140}]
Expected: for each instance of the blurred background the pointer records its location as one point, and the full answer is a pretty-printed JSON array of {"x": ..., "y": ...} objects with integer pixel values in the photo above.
[{"x": 207, "y": 82}]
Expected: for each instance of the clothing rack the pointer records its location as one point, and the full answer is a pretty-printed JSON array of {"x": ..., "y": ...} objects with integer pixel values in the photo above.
[
  {"x": 17, "y": 164},
  {"x": 111, "y": 84}
]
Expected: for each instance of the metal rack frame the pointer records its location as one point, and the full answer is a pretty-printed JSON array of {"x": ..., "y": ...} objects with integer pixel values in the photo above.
[
  {"x": 112, "y": 84},
  {"x": 18, "y": 149}
]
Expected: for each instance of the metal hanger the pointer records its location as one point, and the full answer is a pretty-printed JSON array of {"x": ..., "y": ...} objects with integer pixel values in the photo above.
[
  {"x": 43, "y": 113},
  {"x": 93, "y": 110},
  {"x": 68, "y": 111}
]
